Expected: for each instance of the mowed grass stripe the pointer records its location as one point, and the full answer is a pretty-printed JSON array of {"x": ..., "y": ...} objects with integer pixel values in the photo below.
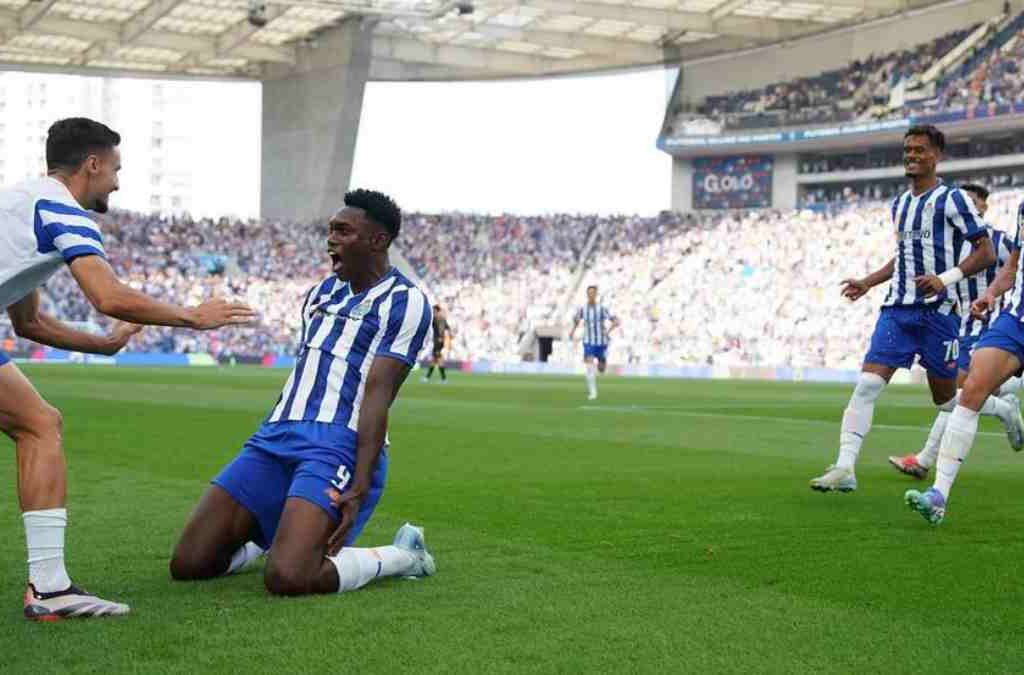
[{"x": 568, "y": 540}]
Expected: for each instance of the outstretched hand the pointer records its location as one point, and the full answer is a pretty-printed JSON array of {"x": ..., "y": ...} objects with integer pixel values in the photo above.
[
  {"x": 219, "y": 312},
  {"x": 120, "y": 335},
  {"x": 854, "y": 289}
]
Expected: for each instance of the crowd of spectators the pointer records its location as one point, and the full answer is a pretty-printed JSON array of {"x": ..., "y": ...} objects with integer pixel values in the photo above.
[
  {"x": 993, "y": 77},
  {"x": 1004, "y": 143},
  {"x": 837, "y": 95},
  {"x": 732, "y": 288},
  {"x": 833, "y": 195},
  {"x": 755, "y": 288}
]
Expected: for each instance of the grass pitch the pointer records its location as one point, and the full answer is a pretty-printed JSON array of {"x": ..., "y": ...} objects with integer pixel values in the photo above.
[{"x": 667, "y": 527}]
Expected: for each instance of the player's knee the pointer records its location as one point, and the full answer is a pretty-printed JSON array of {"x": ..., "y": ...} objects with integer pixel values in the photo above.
[
  {"x": 285, "y": 579},
  {"x": 868, "y": 388},
  {"x": 184, "y": 567},
  {"x": 973, "y": 394},
  {"x": 43, "y": 422}
]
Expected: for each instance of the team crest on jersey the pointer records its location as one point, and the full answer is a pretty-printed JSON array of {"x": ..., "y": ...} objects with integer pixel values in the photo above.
[
  {"x": 361, "y": 310},
  {"x": 929, "y": 212}
]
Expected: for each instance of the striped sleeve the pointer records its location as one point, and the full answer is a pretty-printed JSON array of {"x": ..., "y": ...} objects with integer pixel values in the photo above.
[
  {"x": 408, "y": 321},
  {"x": 1020, "y": 223},
  {"x": 1005, "y": 248},
  {"x": 70, "y": 230},
  {"x": 963, "y": 215}
]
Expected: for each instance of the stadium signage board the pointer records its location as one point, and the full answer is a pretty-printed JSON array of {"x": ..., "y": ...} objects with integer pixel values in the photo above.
[
  {"x": 764, "y": 139},
  {"x": 784, "y": 136},
  {"x": 732, "y": 182}
]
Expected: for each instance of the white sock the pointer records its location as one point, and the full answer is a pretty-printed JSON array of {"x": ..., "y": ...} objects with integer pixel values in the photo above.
[
  {"x": 1011, "y": 386},
  {"x": 592, "y": 379},
  {"x": 244, "y": 557},
  {"x": 44, "y": 535},
  {"x": 359, "y": 566},
  {"x": 857, "y": 418},
  {"x": 926, "y": 457},
  {"x": 956, "y": 443},
  {"x": 997, "y": 407}
]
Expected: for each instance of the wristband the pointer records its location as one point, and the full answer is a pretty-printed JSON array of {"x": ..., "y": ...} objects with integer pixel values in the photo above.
[{"x": 951, "y": 276}]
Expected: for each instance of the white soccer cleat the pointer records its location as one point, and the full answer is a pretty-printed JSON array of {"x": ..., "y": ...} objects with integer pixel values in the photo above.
[
  {"x": 1015, "y": 424},
  {"x": 592, "y": 397},
  {"x": 67, "y": 604},
  {"x": 835, "y": 479},
  {"x": 410, "y": 538}
]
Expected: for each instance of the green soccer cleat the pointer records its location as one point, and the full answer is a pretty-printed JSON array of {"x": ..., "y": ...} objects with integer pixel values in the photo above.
[{"x": 930, "y": 504}]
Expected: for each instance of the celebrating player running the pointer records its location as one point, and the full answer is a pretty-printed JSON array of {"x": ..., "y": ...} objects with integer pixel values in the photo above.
[
  {"x": 45, "y": 223},
  {"x": 933, "y": 222}
]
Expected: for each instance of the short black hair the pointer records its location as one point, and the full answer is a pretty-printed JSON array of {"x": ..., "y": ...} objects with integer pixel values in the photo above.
[
  {"x": 70, "y": 141},
  {"x": 979, "y": 190},
  {"x": 437, "y": 308},
  {"x": 592, "y": 286},
  {"x": 935, "y": 136},
  {"x": 379, "y": 208}
]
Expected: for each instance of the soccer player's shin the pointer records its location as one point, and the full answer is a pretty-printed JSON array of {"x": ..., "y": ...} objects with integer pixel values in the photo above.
[
  {"x": 1011, "y": 386},
  {"x": 44, "y": 535},
  {"x": 926, "y": 458},
  {"x": 592, "y": 379},
  {"x": 956, "y": 443},
  {"x": 359, "y": 566},
  {"x": 857, "y": 418}
]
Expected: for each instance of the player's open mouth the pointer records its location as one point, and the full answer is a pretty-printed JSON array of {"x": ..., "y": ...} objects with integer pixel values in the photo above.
[{"x": 335, "y": 261}]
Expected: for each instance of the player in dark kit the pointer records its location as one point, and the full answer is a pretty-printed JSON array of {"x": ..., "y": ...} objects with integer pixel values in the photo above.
[{"x": 442, "y": 343}]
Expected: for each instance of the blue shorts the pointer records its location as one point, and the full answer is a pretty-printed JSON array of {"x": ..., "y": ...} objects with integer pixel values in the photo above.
[
  {"x": 309, "y": 460},
  {"x": 4, "y": 359},
  {"x": 902, "y": 333},
  {"x": 1007, "y": 334},
  {"x": 967, "y": 346},
  {"x": 599, "y": 352}
]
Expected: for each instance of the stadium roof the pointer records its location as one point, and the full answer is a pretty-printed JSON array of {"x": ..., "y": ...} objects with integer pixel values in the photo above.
[{"x": 414, "y": 39}]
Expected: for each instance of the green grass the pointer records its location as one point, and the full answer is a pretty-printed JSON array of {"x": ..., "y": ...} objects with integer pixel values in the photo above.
[{"x": 667, "y": 528}]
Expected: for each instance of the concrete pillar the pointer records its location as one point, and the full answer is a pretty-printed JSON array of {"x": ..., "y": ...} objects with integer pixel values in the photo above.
[
  {"x": 682, "y": 184},
  {"x": 310, "y": 123},
  {"x": 784, "y": 186}
]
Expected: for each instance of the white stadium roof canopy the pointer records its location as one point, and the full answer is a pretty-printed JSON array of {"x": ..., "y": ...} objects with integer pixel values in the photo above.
[{"x": 413, "y": 39}]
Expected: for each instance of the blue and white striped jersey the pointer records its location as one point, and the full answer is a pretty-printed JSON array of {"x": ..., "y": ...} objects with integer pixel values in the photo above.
[
  {"x": 342, "y": 333},
  {"x": 1014, "y": 304},
  {"x": 931, "y": 229},
  {"x": 42, "y": 227},
  {"x": 595, "y": 318},
  {"x": 970, "y": 289}
]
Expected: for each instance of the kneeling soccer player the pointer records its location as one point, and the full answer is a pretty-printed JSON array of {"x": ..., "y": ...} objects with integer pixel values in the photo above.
[{"x": 308, "y": 480}]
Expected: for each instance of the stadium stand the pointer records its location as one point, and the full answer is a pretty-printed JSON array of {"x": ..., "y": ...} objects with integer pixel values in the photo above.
[
  {"x": 730, "y": 288},
  {"x": 977, "y": 65}
]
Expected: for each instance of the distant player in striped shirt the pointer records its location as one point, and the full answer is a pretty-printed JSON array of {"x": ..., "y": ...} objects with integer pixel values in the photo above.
[
  {"x": 971, "y": 329},
  {"x": 933, "y": 222},
  {"x": 598, "y": 324},
  {"x": 307, "y": 481},
  {"x": 998, "y": 356}
]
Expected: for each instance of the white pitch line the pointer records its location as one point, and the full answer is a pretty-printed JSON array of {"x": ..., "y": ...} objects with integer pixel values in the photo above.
[{"x": 661, "y": 410}]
